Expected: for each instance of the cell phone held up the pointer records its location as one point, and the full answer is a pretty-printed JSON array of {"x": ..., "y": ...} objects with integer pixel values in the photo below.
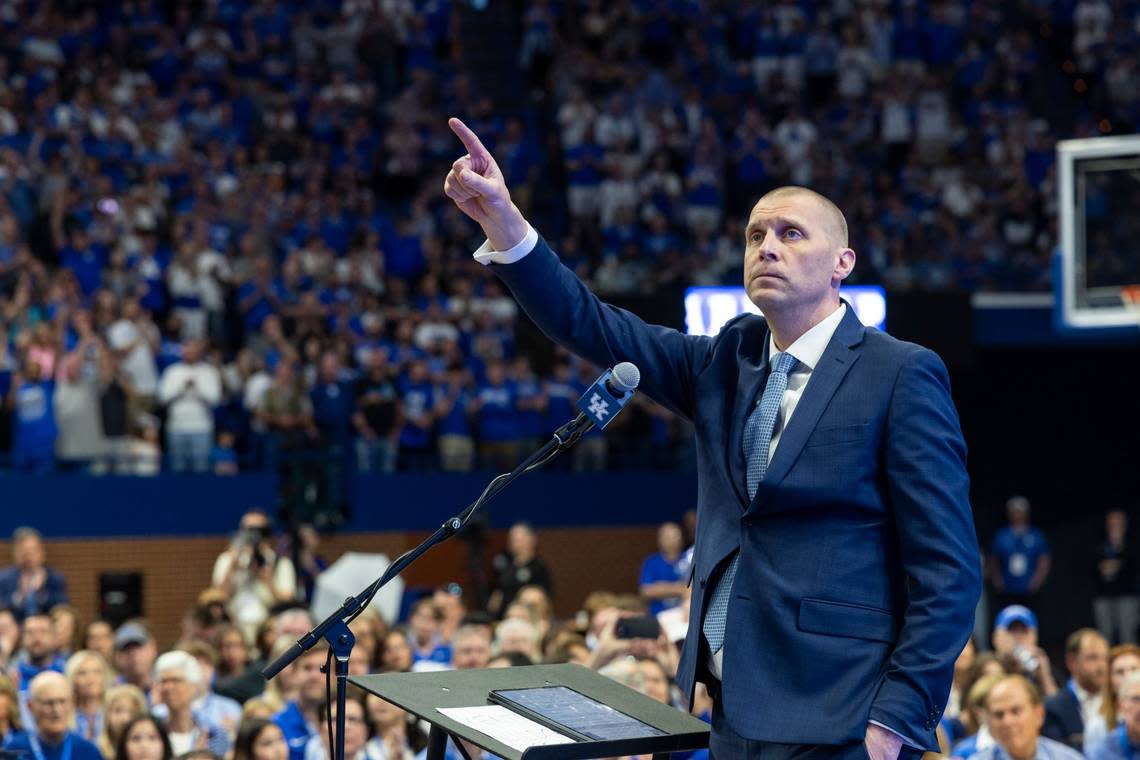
[{"x": 643, "y": 627}]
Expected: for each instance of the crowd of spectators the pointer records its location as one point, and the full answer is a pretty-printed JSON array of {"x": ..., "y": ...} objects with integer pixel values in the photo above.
[
  {"x": 102, "y": 691},
  {"x": 223, "y": 245},
  {"x": 94, "y": 683}
]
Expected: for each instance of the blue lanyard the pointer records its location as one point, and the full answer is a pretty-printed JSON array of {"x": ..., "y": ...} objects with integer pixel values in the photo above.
[
  {"x": 89, "y": 728},
  {"x": 38, "y": 750},
  {"x": 1126, "y": 749}
]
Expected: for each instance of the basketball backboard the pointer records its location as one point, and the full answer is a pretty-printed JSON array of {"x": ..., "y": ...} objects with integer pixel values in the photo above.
[{"x": 1099, "y": 212}]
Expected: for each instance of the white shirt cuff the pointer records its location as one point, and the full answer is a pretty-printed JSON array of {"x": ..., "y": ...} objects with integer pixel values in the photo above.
[
  {"x": 486, "y": 255},
  {"x": 904, "y": 737}
]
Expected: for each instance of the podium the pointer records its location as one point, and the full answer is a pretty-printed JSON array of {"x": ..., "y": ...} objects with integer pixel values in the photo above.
[{"x": 421, "y": 693}]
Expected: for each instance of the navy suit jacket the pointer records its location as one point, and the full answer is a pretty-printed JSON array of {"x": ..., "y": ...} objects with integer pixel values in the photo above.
[
  {"x": 53, "y": 592},
  {"x": 1063, "y": 720},
  {"x": 859, "y": 567}
]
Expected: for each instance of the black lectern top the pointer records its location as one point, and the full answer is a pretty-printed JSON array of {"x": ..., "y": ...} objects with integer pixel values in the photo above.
[{"x": 421, "y": 693}]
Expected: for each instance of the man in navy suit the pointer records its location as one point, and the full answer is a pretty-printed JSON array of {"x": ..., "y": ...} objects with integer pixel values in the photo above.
[
  {"x": 839, "y": 575},
  {"x": 29, "y": 586}
]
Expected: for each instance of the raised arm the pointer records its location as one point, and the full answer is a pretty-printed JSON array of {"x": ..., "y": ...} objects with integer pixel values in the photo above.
[{"x": 556, "y": 300}]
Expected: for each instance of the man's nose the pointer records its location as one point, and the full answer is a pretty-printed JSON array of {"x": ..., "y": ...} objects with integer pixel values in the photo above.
[{"x": 769, "y": 246}]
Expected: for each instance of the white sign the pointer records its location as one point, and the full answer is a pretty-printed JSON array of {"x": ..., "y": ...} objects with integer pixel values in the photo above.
[{"x": 707, "y": 309}]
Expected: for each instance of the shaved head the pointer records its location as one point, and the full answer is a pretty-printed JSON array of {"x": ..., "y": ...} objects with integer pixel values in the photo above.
[{"x": 833, "y": 218}]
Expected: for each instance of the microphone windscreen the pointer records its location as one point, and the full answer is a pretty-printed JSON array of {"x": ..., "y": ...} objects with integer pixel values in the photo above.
[{"x": 626, "y": 376}]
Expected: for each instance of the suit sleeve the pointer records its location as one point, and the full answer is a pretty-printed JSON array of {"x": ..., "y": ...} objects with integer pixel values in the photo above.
[
  {"x": 567, "y": 312},
  {"x": 928, "y": 490},
  {"x": 58, "y": 587},
  {"x": 1054, "y": 726}
]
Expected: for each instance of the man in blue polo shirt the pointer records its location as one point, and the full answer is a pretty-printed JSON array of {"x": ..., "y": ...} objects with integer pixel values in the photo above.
[
  {"x": 38, "y": 652},
  {"x": 1020, "y": 558},
  {"x": 53, "y": 710},
  {"x": 300, "y": 719},
  {"x": 661, "y": 583}
]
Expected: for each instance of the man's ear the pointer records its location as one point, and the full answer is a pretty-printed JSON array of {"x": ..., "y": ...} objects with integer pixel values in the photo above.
[{"x": 844, "y": 264}]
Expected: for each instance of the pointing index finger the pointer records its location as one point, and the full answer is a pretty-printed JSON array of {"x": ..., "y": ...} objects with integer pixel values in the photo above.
[{"x": 470, "y": 140}]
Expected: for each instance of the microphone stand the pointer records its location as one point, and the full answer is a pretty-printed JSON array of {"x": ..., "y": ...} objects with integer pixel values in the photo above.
[{"x": 334, "y": 629}]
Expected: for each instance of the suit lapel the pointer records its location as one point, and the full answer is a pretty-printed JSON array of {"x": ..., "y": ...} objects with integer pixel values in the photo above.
[{"x": 833, "y": 366}]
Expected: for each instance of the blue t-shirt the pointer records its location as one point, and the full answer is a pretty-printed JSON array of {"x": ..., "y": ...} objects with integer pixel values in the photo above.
[
  {"x": 455, "y": 421},
  {"x": 582, "y": 165},
  {"x": 27, "y": 671},
  {"x": 561, "y": 405},
  {"x": 151, "y": 269},
  {"x": 656, "y": 569},
  {"x": 73, "y": 747},
  {"x": 333, "y": 405},
  {"x": 498, "y": 419},
  {"x": 418, "y": 399},
  {"x": 440, "y": 652},
  {"x": 257, "y": 310},
  {"x": 968, "y": 747},
  {"x": 34, "y": 428},
  {"x": 1018, "y": 554},
  {"x": 404, "y": 256},
  {"x": 87, "y": 265},
  {"x": 223, "y": 455},
  {"x": 531, "y": 422},
  {"x": 297, "y": 731}
]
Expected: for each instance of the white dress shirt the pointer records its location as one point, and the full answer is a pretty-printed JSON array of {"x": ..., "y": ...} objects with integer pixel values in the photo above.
[{"x": 1090, "y": 702}]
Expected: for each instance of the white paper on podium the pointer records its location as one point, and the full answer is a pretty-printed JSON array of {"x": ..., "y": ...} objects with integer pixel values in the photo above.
[{"x": 505, "y": 726}]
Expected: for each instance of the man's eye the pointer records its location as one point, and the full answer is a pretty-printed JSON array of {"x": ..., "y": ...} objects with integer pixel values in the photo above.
[
  {"x": 793, "y": 233},
  {"x": 757, "y": 237}
]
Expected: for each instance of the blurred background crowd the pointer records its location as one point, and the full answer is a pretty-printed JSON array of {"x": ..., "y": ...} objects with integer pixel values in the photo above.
[{"x": 223, "y": 244}]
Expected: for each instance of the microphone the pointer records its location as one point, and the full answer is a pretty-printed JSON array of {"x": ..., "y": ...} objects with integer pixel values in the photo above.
[{"x": 607, "y": 396}]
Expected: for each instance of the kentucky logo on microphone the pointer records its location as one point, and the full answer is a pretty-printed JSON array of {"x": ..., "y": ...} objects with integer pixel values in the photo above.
[{"x": 609, "y": 393}]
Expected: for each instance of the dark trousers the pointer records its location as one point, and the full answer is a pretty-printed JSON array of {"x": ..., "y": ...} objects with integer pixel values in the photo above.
[{"x": 725, "y": 744}]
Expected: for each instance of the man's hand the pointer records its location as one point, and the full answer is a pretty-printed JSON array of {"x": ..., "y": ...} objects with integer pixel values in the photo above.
[
  {"x": 1044, "y": 673},
  {"x": 609, "y": 646},
  {"x": 882, "y": 744},
  {"x": 476, "y": 185},
  {"x": 31, "y": 583}
]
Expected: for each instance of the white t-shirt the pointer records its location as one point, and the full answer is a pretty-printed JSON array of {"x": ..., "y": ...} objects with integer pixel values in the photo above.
[
  {"x": 191, "y": 411},
  {"x": 896, "y": 124},
  {"x": 209, "y": 261},
  {"x": 139, "y": 363}
]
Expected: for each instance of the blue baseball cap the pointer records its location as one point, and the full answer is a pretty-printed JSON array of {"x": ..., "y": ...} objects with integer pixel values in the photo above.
[{"x": 1015, "y": 613}]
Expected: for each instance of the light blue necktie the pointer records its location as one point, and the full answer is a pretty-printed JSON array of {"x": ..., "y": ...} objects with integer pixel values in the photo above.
[{"x": 757, "y": 440}]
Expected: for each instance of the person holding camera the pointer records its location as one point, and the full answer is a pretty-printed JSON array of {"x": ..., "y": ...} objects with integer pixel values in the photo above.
[
  {"x": 1015, "y": 644},
  {"x": 252, "y": 575}
]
